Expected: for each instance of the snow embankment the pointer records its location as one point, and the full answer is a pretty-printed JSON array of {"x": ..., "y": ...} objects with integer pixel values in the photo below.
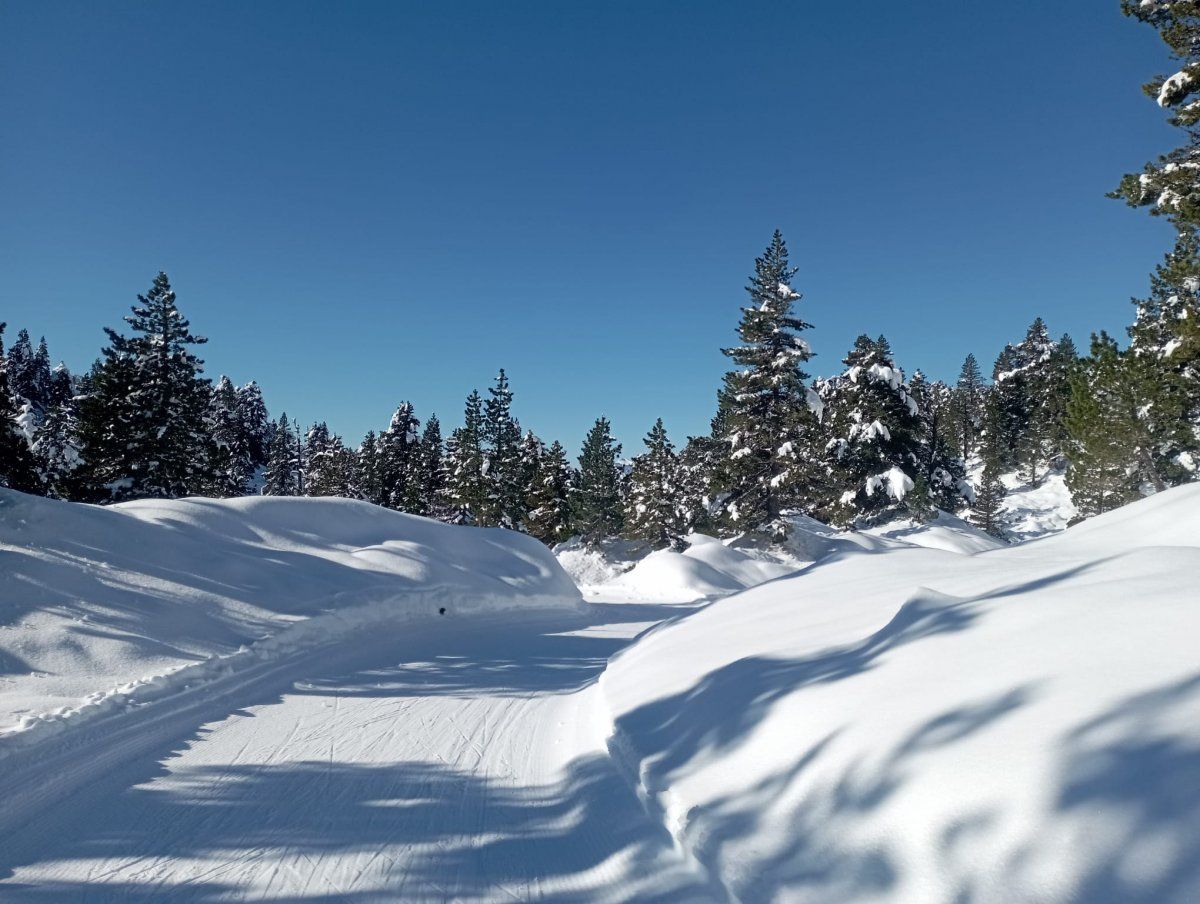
[
  {"x": 102, "y": 608},
  {"x": 915, "y": 724}
]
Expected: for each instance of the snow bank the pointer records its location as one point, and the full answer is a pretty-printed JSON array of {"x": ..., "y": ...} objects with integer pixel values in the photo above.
[
  {"x": 916, "y": 724},
  {"x": 706, "y": 568},
  {"x": 142, "y": 598}
]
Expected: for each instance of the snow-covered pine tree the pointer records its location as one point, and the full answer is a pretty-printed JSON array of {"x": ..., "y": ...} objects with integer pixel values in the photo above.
[
  {"x": 328, "y": 464},
  {"x": 654, "y": 506},
  {"x": 1170, "y": 187},
  {"x": 230, "y": 467},
  {"x": 29, "y": 381},
  {"x": 989, "y": 495},
  {"x": 16, "y": 460},
  {"x": 874, "y": 453},
  {"x": 282, "y": 475},
  {"x": 772, "y": 428},
  {"x": 431, "y": 471},
  {"x": 468, "y": 490},
  {"x": 398, "y": 448},
  {"x": 368, "y": 481},
  {"x": 502, "y": 434},
  {"x": 1022, "y": 382},
  {"x": 596, "y": 510},
  {"x": 56, "y": 451},
  {"x": 966, "y": 408},
  {"x": 942, "y": 475},
  {"x": 255, "y": 427},
  {"x": 143, "y": 426},
  {"x": 528, "y": 470},
  {"x": 548, "y": 501},
  {"x": 1113, "y": 441}
]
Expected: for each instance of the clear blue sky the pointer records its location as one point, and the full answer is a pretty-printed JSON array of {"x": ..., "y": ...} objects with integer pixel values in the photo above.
[{"x": 360, "y": 203}]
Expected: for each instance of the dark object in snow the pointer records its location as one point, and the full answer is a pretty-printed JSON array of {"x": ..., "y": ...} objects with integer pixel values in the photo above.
[{"x": 442, "y": 611}]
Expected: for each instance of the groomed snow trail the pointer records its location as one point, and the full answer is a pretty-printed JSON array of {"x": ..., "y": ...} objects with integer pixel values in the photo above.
[{"x": 458, "y": 760}]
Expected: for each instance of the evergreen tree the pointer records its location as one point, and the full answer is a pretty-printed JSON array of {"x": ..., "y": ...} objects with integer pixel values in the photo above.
[
  {"x": 966, "y": 408},
  {"x": 596, "y": 510},
  {"x": 431, "y": 471},
  {"x": 282, "y": 476},
  {"x": 398, "y": 449},
  {"x": 503, "y": 436},
  {"x": 254, "y": 426},
  {"x": 1113, "y": 461},
  {"x": 875, "y": 454},
  {"x": 468, "y": 490},
  {"x": 16, "y": 460},
  {"x": 143, "y": 426},
  {"x": 548, "y": 501},
  {"x": 56, "y": 451},
  {"x": 230, "y": 468},
  {"x": 328, "y": 464},
  {"x": 987, "y": 505},
  {"x": 369, "y": 480},
  {"x": 29, "y": 380},
  {"x": 1170, "y": 187},
  {"x": 772, "y": 429},
  {"x": 653, "y": 510},
  {"x": 941, "y": 479}
]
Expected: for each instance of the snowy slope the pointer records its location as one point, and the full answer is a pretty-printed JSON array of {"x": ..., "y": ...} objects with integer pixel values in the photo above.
[
  {"x": 93, "y": 598},
  {"x": 914, "y": 724}
]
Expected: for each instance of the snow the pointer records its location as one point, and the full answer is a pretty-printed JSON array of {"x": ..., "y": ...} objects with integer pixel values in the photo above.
[
  {"x": 894, "y": 481},
  {"x": 911, "y": 713},
  {"x": 104, "y": 605},
  {"x": 1028, "y": 512},
  {"x": 1020, "y": 724}
]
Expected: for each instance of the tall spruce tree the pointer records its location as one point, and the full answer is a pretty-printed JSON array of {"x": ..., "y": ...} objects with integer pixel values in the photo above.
[
  {"x": 875, "y": 452},
  {"x": 282, "y": 475},
  {"x": 399, "y": 460},
  {"x": 369, "y": 480},
  {"x": 16, "y": 459},
  {"x": 966, "y": 408},
  {"x": 503, "y": 437},
  {"x": 548, "y": 500},
  {"x": 143, "y": 426},
  {"x": 772, "y": 428},
  {"x": 655, "y": 507},
  {"x": 432, "y": 475},
  {"x": 468, "y": 491},
  {"x": 596, "y": 510},
  {"x": 987, "y": 506}
]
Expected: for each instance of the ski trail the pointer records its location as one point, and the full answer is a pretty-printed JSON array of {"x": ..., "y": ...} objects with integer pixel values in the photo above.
[{"x": 456, "y": 761}]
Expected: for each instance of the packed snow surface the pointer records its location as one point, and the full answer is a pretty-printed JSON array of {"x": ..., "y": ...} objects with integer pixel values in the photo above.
[
  {"x": 911, "y": 713},
  {"x": 108, "y": 601},
  {"x": 920, "y": 724}
]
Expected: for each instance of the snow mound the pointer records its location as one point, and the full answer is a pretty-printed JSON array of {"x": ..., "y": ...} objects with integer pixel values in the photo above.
[
  {"x": 592, "y": 567},
  {"x": 945, "y": 532},
  {"x": 917, "y": 724},
  {"x": 125, "y": 603},
  {"x": 706, "y": 568}
]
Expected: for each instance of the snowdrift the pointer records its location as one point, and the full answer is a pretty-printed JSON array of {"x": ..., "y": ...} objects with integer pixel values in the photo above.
[
  {"x": 706, "y": 568},
  {"x": 1021, "y": 724},
  {"x": 93, "y": 600}
]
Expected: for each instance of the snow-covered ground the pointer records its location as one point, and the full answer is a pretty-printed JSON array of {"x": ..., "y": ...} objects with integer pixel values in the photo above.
[{"x": 912, "y": 713}]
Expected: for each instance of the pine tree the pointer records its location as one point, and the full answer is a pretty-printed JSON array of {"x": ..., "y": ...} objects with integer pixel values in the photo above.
[
  {"x": 941, "y": 481},
  {"x": 230, "y": 467},
  {"x": 596, "y": 510},
  {"x": 874, "y": 453},
  {"x": 503, "y": 438},
  {"x": 254, "y": 426},
  {"x": 1170, "y": 187},
  {"x": 468, "y": 490},
  {"x": 369, "y": 480},
  {"x": 548, "y": 501},
  {"x": 772, "y": 427},
  {"x": 652, "y": 508},
  {"x": 328, "y": 464},
  {"x": 431, "y": 471},
  {"x": 29, "y": 381},
  {"x": 989, "y": 496},
  {"x": 1112, "y": 458},
  {"x": 16, "y": 460},
  {"x": 398, "y": 450},
  {"x": 143, "y": 425},
  {"x": 966, "y": 408},
  {"x": 282, "y": 476},
  {"x": 56, "y": 451}
]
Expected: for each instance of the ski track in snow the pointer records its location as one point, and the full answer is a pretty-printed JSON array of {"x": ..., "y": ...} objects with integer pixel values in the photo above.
[{"x": 461, "y": 760}]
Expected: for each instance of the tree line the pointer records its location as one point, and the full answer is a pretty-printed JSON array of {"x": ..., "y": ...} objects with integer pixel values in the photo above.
[{"x": 861, "y": 447}]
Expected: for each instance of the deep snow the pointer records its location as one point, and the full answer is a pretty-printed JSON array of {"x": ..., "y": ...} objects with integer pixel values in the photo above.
[{"x": 912, "y": 713}]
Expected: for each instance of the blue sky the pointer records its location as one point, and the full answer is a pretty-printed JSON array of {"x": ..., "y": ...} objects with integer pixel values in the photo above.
[{"x": 360, "y": 203}]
